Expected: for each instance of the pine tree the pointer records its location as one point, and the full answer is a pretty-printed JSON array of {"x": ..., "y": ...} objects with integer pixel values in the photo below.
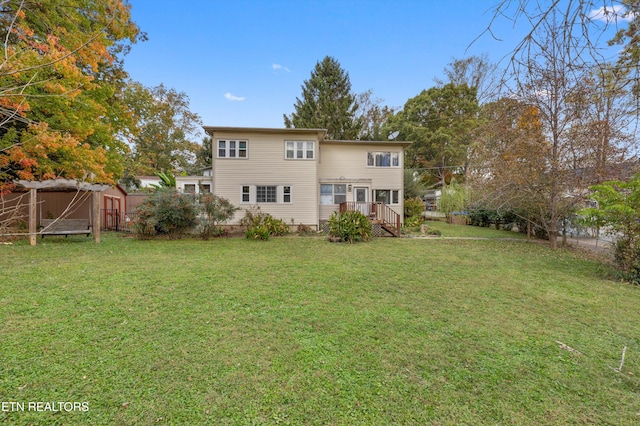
[{"x": 327, "y": 103}]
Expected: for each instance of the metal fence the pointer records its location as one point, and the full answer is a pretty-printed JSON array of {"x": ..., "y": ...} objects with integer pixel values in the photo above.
[{"x": 116, "y": 220}]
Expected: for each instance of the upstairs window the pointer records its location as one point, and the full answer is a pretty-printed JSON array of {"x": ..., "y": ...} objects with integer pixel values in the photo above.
[
  {"x": 299, "y": 150},
  {"x": 383, "y": 159},
  {"x": 232, "y": 149}
]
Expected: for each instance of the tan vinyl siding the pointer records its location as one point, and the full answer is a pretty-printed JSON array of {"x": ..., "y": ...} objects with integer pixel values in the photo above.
[
  {"x": 348, "y": 163},
  {"x": 266, "y": 165},
  {"x": 326, "y": 210}
]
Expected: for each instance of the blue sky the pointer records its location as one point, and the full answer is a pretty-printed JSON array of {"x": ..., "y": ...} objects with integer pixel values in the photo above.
[{"x": 242, "y": 62}]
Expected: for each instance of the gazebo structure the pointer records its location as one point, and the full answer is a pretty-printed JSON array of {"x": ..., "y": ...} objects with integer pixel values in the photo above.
[{"x": 62, "y": 184}]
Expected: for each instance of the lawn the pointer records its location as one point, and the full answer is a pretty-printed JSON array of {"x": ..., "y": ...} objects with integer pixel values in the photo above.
[
  {"x": 303, "y": 331},
  {"x": 459, "y": 231}
]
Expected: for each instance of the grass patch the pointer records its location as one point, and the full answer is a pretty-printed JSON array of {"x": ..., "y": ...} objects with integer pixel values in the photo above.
[
  {"x": 449, "y": 230},
  {"x": 302, "y": 331}
]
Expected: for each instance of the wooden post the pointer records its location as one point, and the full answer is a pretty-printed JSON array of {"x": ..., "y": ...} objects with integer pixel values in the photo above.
[
  {"x": 96, "y": 216},
  {"x": 33, "y": 202}
]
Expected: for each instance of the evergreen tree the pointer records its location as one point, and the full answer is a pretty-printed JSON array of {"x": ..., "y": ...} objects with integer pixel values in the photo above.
[{"x": 327, "y": 103}]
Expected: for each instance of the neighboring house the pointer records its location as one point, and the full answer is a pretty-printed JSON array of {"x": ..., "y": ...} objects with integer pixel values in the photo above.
[
  {"x": 302, "y": 178},
  {"x": 194, "y": 184},
  {"x": 200, "y": 184},
  {"x": 432, "y": 199},
  {"x": 148, "y": 181}
]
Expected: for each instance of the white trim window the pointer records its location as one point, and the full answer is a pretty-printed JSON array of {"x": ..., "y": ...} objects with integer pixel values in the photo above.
[
  {"x": 299, "y": 150},
  {"x": 286, "y": 194},
  {"x": 387, "y": 196},
  {"x": 266, "y": 194},
  {"x": 245, "y": 196},
  {"x": 270, "y": 194},
  {"x": 333, "y": 193},
  {"x": 232, "y": 149},
  {"x": 383, "y": 159}
]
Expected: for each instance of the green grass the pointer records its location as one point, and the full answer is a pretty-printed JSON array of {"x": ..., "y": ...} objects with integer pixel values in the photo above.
[
  {"x": 463, "y": 231},
  {"x": 303, "y": 331}
]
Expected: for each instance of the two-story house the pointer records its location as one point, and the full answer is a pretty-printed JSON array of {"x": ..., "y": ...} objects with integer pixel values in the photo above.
[{"x": 300, "y": 177}]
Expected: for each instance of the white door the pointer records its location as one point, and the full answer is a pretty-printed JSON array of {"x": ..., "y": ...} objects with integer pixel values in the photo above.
[{"x": 361, "y": 198}]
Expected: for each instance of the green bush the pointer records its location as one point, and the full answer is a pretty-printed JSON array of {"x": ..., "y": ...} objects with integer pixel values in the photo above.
[
  {"x": 167, "y": 212},
  {"x": 262, "y": 226},
  {"x": 145, "y": 222},
  {"x": 349, "y": 226},
  {"x": 413, "y": 221},
  {"x": 214, "y": 211},
  {"x": 413, "y": 207},
  {"x": 626, "y": 254},
  {"x": 258, "y": 232},
  {"x": 506, "y": 219}
]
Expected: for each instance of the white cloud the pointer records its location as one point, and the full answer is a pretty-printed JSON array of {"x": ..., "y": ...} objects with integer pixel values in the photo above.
[
  {"x": 278, "y": 67},
  {"x": 610, "y": 14},
  {"x": 231, "y": 97}
]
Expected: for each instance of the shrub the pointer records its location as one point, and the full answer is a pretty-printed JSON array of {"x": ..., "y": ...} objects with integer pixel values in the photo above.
[
  {"x": 454, "y": 198},
  {"x": 276, "y": 227},
  {"x": 304, "y": 229},
  {"x": 413, "y": 221},
  {"x": 214, "y": 211},
  {"x": 349, "y": 226},
  {"x": 258, "y": 232},
  {"x": 413, "y": 207},
  {"x": 166, "y": 212},
  {"x": 261, "y": 225},
  {"x": 145, "y": 222},
  {"x": 626, "y": 254}
]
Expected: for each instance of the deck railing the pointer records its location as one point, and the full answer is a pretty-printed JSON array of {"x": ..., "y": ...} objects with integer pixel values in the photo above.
[{"x": 377, "y": 213}]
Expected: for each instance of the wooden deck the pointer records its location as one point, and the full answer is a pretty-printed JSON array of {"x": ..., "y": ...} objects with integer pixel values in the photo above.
[{"x": 378, "y": 213}]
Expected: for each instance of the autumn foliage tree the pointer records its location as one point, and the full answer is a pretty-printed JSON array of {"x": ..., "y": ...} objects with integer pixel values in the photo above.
[
  {"x": 61, "y": 80},
  {"x": 510, "y": 161},
  {"x": 581, "y": 99}
]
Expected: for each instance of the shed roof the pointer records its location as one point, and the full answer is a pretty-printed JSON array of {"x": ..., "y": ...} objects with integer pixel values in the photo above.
[{"x": 63, "y": 184}]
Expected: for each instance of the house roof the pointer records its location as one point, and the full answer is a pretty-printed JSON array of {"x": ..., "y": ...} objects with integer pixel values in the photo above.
[
  {"x": 193, "y": 177},
  {"x": 403, "y": 144},
  {"x": 299, "y": 131},
  {"x": 294, "y": 131}
]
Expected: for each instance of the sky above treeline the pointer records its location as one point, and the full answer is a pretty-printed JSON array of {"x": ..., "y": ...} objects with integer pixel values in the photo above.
[{"x": 243, "y": 62}]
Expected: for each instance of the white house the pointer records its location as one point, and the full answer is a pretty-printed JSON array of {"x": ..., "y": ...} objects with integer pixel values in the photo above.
[{"x": 300, "y": 177}]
